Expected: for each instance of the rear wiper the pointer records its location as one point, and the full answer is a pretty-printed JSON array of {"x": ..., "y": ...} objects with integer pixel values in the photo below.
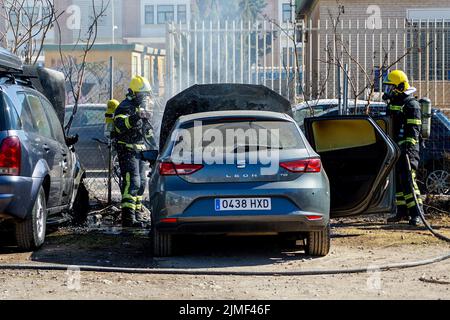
[{"x": 258, "y": 147}]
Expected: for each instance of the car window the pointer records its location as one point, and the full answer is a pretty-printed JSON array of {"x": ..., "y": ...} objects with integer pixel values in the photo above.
[
  {"x": 54, "y": 121},
  {"x": 86, "y": 117},
  {"x": 277, "y": 134},
  {"x": 25, "y": 114},
  {"x": 14, "y": 119},
  {"x": 312, "y": 111},
  {"x": 38, "y": 114}
]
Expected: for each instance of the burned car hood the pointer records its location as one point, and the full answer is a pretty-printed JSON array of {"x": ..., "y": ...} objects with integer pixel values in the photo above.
[
  {"x": 220, "y": 97},
  {"x": 51, "y": 84}
]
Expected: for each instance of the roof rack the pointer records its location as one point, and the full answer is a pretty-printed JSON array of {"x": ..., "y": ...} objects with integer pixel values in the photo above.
[{"x": 9, "y": 62}]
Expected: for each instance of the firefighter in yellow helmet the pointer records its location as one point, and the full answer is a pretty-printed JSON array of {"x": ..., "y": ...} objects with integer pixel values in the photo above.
[
  {"x": 132, "y": 135},
  {"x": 406, "y": 115}
]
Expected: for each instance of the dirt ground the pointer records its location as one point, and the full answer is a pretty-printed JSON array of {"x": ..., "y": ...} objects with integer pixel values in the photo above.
[{"x": 364, "y": 242}]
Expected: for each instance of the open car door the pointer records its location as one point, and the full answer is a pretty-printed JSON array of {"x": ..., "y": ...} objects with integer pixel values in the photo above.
[{"x": 359, "y": 157}]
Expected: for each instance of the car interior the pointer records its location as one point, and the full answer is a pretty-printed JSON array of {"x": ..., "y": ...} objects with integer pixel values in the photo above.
[{"x": 352, "y": 161}]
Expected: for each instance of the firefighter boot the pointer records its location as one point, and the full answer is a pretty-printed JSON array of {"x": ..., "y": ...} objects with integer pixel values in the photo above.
[
  {"x": 401, "y": 215},
  {"x": 129, "y": 219}
]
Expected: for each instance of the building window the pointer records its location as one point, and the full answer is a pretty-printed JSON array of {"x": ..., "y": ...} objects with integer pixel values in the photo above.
[
  {"x": 149, "y": 14},
  {"x": 47, "y": 15},
  {"x": 135, "y": 66},
  {"x": 182, "y": 14},
  {"x": 166, "y": 14},
  {"x": 287, "y": 12},
  {"x": 147, "y": 69}
]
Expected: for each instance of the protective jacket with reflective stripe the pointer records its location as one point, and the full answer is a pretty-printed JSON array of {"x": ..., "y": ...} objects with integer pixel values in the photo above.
[
  {"x": 129, "y": 128},
  {"x": 407, "y": 124}
]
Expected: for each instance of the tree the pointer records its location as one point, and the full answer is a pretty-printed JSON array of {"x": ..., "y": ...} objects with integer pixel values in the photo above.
[
  {"x": 251, "y": 9},
  {"x": 73, "y": 70},
  {"x": 231, "y": 10},
  {"x": 26, "y": 26}
]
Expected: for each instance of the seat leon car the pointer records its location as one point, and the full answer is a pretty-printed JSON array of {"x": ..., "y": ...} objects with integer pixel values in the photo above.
[{"x": 253, "y": 172}]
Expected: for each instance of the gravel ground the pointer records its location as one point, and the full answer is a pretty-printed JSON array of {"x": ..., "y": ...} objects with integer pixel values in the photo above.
[{"x": 364, "y": 242}]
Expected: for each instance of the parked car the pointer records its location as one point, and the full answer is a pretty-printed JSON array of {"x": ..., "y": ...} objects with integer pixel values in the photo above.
[
  {"x": 89, "y": 125},
  {"x": 41, "y": 179},
  {"x": 322, "y": 107},
  {"x": 435, "y": 155},
  {"x": 326, "y": 172}
]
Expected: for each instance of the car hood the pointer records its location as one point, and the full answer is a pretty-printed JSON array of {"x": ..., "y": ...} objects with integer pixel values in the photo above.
[{"x": 220, "y": 97}]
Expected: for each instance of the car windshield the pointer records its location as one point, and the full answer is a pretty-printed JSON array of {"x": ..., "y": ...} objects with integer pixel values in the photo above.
[
  {"x": 237, "y": 136},
  {"x": 86, "y": 117}
]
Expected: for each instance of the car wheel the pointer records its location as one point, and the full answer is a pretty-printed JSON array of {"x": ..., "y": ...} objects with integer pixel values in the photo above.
[
  {"x": 318, "y": 243},
  {"x": 438, "y": 182},
  {"x": 162, "y": 243},
  {"x": 30, "y": 233},
  {"x": 81, "y": 206}
]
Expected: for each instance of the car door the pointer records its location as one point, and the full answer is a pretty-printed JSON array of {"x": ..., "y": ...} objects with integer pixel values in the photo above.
[
  {"x": 359, "y": 158},
  {"x": 51, "y": 149},
  {"x": 89, "y": 124},
  {"x": 67, "y": 179}
]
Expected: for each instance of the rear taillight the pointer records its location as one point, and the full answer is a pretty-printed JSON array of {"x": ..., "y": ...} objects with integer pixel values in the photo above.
[
  {"x": 172, "y": 169},
  {"x": 10, "y": 156},
  {"x": 299, "y": 166}
]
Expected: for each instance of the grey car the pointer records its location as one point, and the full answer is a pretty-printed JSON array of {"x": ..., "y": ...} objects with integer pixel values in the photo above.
[
  {"x": 41, "y": 179},
  {"x": 204, "y": 198}
]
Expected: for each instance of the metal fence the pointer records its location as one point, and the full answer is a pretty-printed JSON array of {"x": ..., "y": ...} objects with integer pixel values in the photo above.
[
  {"x": 419, "y": 47},
  {"x": 231, "y": 52},
  {"x": 301, "y": 60},
  {"x": 89, "y": 124},
  {"x": 305, "y": 61}
]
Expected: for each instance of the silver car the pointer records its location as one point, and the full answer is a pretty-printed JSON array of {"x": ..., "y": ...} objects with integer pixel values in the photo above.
[{"x": 295, "y": 200}]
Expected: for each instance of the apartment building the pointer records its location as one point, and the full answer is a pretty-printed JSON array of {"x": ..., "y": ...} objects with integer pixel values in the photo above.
[{"x": 131, "y": 21}]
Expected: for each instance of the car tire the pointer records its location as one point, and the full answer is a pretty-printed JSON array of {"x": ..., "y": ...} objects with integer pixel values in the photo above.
[
  {"x": 81, "y": 206},
  {"x": 318, "y": 243},
  {"x": 30, "y": 233},
  {"x": 162, "y": 243}
]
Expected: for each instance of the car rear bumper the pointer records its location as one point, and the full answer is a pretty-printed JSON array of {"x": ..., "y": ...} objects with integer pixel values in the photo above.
[
  {"x": 16, "y": 196},
  {"x": 245, "y": 225}
]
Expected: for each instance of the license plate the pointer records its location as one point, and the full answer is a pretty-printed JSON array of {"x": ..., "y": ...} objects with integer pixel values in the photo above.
[{"x": 238, "y": 204}]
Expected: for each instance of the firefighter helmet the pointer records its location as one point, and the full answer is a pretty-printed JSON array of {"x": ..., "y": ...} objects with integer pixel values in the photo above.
[
  {"x": 140, "y": 85},
  {"x": 399, "y": 80}
]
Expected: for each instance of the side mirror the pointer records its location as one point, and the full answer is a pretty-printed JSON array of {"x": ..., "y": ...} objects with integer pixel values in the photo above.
[
  {"x": 150, "y": 156},
  {"x": 72, "y": 140}
]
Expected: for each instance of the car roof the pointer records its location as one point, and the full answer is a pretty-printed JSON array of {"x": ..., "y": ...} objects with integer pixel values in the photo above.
[
  {"x": 322, "y": 102},
  {"x": 88, "y": 105},
  {"x": 235, "y": 114}
]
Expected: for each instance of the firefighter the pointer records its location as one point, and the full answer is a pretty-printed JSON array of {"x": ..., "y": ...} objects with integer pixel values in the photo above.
[
  {"x": 132, "y": 131},
  {"x": 111, "y": 107},
  {"x": 406, "y": 115}
]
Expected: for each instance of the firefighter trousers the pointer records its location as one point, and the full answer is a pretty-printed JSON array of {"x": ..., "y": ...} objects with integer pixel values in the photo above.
[
  {"x": 132, "y": 170},
  {"x": 405, "y": 201}
]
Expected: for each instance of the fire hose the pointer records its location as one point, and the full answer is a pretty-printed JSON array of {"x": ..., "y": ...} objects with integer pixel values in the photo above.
[{"x": 207, "y": 272}]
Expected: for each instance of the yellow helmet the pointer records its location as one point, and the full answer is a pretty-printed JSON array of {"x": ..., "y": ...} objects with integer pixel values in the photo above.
[
  {"x": 140, "y": 85},
  {"x": 399, "y": 80},
  {"x": 112, "y": 105}
]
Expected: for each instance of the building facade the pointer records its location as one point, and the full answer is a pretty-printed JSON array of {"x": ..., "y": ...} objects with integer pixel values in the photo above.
[{"x": 412, "y": 35}]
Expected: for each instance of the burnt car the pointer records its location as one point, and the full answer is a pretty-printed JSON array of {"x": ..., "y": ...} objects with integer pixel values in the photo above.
[
  {"x": 195, "y": 197},
  {"x": 41, "y": 178},
  {"x": 89, "y": 124}
]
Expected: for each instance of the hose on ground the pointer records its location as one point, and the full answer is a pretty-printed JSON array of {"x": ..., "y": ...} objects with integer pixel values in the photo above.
[
  {"x": 421, "y": 211},
  {"x": 200, "y": 272}
]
